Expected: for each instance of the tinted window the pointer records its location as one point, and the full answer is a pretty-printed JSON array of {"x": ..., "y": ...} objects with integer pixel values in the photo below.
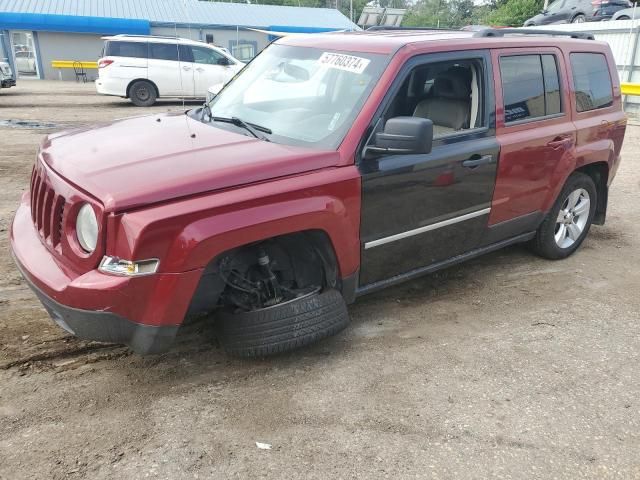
[
  {"x": 551, "y": 85},
  {"x": 591, "y": 80},
  {"x": 205, "y": 55},
  {"x": 530, "y": 86},
  {"x": 522, "y": 87},
  {"x": 163, "y": 51},
  {"x": 126, "y": 49}
]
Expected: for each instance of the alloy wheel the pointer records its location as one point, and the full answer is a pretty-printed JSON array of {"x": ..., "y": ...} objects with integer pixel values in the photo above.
[{"x": 572, "y": 218}]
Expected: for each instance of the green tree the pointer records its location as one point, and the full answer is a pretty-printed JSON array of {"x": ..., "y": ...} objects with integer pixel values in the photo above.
[{"x": 513, "y": 13}]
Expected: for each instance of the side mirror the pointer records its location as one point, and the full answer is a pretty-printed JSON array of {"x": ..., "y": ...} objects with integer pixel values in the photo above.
[
  {"x": 224, "y": 61},
  {"x": 404, "y": 136}
]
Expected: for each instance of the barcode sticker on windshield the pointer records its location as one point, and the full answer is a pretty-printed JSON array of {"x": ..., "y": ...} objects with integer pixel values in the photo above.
[{"x": 344, "y": 62}]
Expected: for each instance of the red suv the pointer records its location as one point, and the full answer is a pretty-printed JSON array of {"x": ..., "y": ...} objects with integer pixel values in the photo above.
[{"x": 332, "y": 166}]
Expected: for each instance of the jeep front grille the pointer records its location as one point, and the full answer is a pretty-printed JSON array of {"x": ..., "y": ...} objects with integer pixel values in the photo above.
[{"x": 47, "y": 208}]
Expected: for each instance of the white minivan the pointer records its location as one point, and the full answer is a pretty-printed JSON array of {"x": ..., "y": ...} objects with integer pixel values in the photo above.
[{"x": 144, "y": 68}]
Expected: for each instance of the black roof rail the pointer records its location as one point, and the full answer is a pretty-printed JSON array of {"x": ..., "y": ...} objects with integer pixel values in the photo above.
[
  {"x": 379, "y": 28},
  {"x": 501, "y": 32}
]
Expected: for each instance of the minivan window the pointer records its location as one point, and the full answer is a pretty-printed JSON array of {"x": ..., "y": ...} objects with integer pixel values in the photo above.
[
  {"x": 530, "y": 87},
  {"x": 126, "y": 49},
  {"x": 591, "y": 81},
  {"x": 163, "y": 51},
  {"x": 206, "y": 56}
]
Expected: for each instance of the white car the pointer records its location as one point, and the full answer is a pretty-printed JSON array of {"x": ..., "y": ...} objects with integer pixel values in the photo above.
[
  {"x": 144, "y": 68},
  {"x": 6, "y": 76}
]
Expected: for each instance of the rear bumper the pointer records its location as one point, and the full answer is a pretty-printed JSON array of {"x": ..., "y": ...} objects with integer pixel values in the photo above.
[
  {"x": 107, "y": 86},
  {"x": 105, "y": 326}
]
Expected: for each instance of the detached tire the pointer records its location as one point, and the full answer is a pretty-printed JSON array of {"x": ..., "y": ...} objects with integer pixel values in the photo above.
[
  {"x": 284, "y": 327},
  {"x": 142, "y": 93}
]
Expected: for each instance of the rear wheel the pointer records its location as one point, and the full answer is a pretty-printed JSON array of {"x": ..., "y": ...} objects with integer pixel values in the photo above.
[
  {"x": 142, "y": 93},
  {"x": 580, "y": 18},
  {"x": 568, "y": 222},
  {"x": 623, "y": 17},
  {"x": 279, "y": 295}
]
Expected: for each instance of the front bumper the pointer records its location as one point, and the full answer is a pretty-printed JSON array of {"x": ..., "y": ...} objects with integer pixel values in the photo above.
[
  {"x": 105, "y": 326},
  {"x": 142, "y": 312},
  {"x": 7, "y": 82}
]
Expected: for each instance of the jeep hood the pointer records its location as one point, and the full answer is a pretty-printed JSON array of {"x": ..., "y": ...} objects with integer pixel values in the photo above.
[{"x": 150, "y": 159}]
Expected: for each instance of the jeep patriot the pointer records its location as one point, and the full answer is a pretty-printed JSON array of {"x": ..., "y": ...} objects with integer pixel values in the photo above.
[{"x": 332, "y": 166}]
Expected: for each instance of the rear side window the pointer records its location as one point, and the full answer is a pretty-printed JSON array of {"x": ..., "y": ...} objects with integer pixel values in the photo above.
[
  {"x": 126, "y": 49},
  {"x": 530, "y": 87},
  {"x": 163, "y": 51},
  {"x": 592, "y": 81}
]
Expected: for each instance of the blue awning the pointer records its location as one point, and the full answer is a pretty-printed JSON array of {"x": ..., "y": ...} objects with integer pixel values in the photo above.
[{"x": 69, "y": 23}]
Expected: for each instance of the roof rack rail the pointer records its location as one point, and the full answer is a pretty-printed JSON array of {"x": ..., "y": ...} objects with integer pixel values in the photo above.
[
  {"x": 501, "y": 32},
  {"x": 377, "y": 28},
  {"x": 145, "y": 36}
]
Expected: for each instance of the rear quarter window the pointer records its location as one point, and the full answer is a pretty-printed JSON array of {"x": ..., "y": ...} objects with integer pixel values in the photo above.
[
  {"x": 592, "y": 81},
  {"x": 126, "y": 49}
]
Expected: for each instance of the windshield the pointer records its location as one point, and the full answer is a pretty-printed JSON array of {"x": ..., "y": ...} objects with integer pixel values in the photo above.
[{"x": 299, "y": 95}]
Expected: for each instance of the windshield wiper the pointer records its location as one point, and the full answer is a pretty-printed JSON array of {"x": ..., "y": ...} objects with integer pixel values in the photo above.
[{"x": 249, "y": 127}]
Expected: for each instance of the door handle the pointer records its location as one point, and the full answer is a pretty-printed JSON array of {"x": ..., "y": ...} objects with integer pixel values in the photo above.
[
  {"x": 186, "y": 69},
  {"x": 476, "y": 161},
  {"x": 199, "y": 69},
  {"x": 558, "y": 142}
]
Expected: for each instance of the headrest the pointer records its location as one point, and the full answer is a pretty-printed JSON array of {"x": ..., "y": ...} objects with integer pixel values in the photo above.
[{"x": 455, "y": 82}]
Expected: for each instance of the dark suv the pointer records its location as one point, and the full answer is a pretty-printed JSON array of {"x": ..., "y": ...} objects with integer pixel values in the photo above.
[
  {"x": 568, "y": 11},
  {"x": 332, "y": 166}
]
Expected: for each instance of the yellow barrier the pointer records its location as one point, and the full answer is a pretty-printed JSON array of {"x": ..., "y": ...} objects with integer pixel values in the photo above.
[
  {"x": 630, "y": 88},
  {"x": 69, "y": 64}
]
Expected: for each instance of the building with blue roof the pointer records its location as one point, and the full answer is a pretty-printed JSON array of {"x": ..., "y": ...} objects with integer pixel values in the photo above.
[{"x": 33, "y": 33}]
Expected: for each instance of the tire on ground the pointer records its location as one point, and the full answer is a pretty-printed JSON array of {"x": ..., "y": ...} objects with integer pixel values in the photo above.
[
  {"x": 142, "y": 93},
  {"x": 283, "y": 327},
  {"x": 544, "y": 243}
]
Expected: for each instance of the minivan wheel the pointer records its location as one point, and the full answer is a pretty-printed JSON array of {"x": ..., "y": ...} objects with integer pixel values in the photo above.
[
  {"x": 283, "y": 327},
  {"x": 568, "y": 222},
  {"x": 142, "y": 93},
  {"x": 579, "y": 19}
]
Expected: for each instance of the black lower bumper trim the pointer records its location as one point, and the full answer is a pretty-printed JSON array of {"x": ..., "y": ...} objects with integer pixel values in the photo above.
[
  {"x": 107, "y": 326},
  {"x": 8, "y": 83}
]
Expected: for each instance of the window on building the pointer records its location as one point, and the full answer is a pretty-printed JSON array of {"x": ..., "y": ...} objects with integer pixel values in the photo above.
[
  {"x": 530, "y": 87},
  {"x": 592, "y": 81},
  {"x": 206, "y": 56},
  {"x": 209, "y": 38},
  {"x": 126, "y": 49}
]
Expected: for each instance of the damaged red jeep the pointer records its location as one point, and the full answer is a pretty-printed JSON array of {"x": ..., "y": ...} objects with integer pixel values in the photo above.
[{"x": 332, "y": 166}]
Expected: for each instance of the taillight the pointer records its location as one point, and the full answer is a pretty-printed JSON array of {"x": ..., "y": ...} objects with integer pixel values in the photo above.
[{"x": 104, "y": 63}]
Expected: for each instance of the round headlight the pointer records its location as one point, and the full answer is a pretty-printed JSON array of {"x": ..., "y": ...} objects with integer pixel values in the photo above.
[{"x": 87, "y": 228}]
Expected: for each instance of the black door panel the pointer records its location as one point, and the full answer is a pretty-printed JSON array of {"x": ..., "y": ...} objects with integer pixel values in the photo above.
[{"x": 401, "y": 194}]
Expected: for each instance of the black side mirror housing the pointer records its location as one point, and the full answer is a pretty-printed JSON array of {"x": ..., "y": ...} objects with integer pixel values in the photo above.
[
  {"x": 224, "y": 61},
  {"x": 404, "y": 136}
]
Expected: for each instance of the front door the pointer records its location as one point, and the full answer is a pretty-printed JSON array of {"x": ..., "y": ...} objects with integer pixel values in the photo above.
[
  {"x": 210, "y": 68},
  {"x": 419, "y": 210}
]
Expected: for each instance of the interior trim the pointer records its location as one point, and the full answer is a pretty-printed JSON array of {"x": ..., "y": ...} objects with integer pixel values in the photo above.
[{"x": 426, "y": 228}]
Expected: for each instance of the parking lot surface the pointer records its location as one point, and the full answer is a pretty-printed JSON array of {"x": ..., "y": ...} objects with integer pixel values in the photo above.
[{"x": 509, "y": 366}]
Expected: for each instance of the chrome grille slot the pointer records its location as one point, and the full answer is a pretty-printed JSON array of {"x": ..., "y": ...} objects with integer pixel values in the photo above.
[{"x": 47, "y": 208}]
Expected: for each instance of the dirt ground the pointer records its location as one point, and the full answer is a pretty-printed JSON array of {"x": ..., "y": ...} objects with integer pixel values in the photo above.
[{"x": 509, "y": 366}]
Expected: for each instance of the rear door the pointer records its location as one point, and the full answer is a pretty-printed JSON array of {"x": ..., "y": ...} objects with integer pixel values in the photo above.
[
  {"x": 172, "y": 74},
  {"x": 129, "y": 61},
  {"x": 419, "y": 210},
  {"x": 536, "y": 134}
]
